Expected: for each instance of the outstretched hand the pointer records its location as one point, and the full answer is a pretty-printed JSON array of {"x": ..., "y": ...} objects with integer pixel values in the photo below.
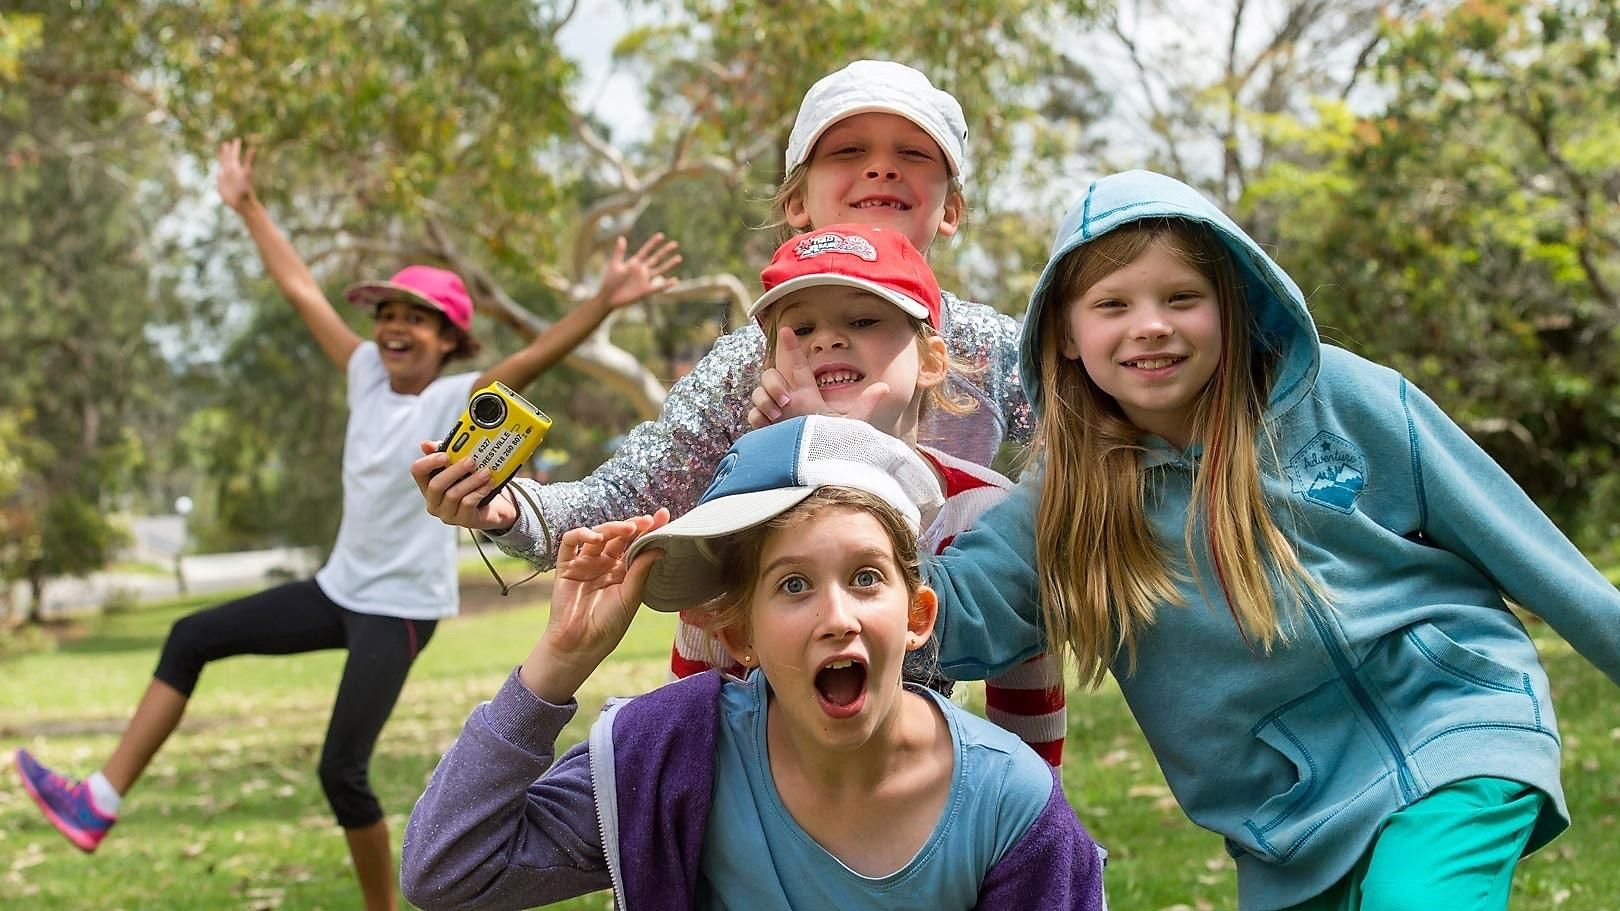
[
  {"x": 235, "y": 177},
  {"x": 788, "y": 390},
  {"x": 625, "y": 281},
  {"x": 593, "y": 600}
]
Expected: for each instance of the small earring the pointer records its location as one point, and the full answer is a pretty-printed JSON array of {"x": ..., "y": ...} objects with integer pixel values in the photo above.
[{"x": 748, "y": 659}]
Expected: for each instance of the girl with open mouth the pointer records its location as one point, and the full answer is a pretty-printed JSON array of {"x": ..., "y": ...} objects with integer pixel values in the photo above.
[{"x": 816, "y": 779}]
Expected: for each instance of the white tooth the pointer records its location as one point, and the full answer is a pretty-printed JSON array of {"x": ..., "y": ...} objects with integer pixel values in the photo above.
[{"x": 840, "y": 665}]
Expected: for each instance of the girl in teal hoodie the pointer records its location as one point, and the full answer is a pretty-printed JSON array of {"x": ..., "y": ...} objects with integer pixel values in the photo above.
[{"x": 1294, "y": 564}]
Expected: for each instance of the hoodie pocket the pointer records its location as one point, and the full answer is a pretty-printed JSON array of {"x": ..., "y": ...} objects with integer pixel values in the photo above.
[
  {"x": 1444, "y": 687},
  {"x": 1340, "y": 767}
]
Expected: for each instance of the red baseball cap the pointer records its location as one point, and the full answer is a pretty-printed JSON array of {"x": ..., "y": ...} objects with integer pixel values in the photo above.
[
  {"x": 875, "y": 259},
  {"x": 424, "y": 286}
]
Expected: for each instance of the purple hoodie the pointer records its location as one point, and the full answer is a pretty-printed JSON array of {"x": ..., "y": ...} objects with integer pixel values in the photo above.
[{"x": 502, "y": 826}]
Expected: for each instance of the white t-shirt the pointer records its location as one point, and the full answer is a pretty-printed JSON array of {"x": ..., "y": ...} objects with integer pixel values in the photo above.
[{"x": 391, "y": 557}]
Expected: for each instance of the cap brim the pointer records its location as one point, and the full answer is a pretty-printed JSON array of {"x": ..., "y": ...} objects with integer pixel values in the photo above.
[
  {"x": 913, "y": 308},
  {"x": 686, "y": 576},
  {"x": 373, "y": 294},
  {"x": 910, "y": 114}
]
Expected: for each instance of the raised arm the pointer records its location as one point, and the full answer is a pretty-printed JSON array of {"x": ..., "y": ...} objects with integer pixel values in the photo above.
[
  {"x": 624, "y": 281},
  {"x": 500, "y": 825},
  {"x": 286, "y": 267}
]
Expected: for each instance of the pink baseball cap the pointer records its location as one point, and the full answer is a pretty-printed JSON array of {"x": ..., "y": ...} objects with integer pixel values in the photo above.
[
  {"x": 424, "y": 286},
  {"x": 879, "y": 260}
]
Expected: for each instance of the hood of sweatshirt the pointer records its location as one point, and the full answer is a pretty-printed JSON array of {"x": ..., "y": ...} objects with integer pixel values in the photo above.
[{"x": 1283, "y": 325}]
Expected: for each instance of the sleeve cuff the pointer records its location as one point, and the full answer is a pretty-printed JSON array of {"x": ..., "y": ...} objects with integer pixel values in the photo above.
[
  {"x": 527, "y": 536},
  {"x": 521, "y": 718}
]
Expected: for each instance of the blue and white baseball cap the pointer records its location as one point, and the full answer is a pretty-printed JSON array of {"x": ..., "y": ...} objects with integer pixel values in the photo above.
[{"x": 766, "y": 473}]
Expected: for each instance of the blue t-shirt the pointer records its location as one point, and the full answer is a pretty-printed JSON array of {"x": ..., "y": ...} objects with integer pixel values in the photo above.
[{"x": 755, "y": 856}]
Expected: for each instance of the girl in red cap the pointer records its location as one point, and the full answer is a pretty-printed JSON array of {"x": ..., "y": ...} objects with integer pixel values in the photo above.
[
  {"x": 392, "y": 572},
  {"x": 874, "y": 143}
]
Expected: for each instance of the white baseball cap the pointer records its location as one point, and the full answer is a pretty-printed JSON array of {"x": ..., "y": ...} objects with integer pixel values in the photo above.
[
  {"x": 887, "y": 87},
  {"x": 766, "y": 473}
]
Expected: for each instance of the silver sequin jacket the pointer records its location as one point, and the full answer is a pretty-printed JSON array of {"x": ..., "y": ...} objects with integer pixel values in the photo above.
[{"x": 668, "y": 462}]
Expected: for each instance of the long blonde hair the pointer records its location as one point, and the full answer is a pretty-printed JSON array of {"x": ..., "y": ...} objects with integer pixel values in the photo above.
[{"x": 1104, "y": 572}]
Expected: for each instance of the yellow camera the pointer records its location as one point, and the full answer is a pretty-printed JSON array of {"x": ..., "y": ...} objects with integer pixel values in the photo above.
[{"x": 500, "y": 430}]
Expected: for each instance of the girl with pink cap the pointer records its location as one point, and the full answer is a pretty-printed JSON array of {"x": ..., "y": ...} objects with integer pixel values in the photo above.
[{"x": 392, "y": 572}]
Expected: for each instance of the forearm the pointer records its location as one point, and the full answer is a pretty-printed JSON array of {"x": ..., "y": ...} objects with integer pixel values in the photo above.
[
  {"x": 499, "y": 825},
  {"x": 296, "y": 283},
  {"x": 989, "y": 590},
  {"x": 549, "y": 347},
  {"x": 667, "y": 462}
]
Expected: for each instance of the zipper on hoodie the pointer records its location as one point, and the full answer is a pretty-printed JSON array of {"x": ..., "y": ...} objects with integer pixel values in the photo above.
[
  {"x": 1403, "y": 774},
  {"x": 608, "y": 853}
]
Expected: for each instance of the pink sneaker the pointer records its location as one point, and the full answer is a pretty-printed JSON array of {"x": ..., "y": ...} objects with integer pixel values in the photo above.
[{"x": 65, "y": 803}]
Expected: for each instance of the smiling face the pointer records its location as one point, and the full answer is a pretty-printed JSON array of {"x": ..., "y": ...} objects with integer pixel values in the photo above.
[
  {"x": 1149, "y": 335},
  {"x": 851, "y": 339},
  {"x": 878, "y": 169},
  {"x": 413, "y": 341},
  {"x": 831, "y": 615}
]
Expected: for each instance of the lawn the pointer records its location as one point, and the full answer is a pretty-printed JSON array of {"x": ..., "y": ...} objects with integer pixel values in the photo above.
[{"x": 230, "y": 814}]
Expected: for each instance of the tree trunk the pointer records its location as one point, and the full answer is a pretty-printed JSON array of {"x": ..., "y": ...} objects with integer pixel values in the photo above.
[{"x": 36, "y": 597}]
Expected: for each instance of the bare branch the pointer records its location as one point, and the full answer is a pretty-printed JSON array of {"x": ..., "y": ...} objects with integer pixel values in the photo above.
[
  {"x": 1145, "y": 81},
  {"x": 557, "y": 26}
]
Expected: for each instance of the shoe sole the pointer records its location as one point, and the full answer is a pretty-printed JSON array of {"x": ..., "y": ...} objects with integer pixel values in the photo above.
[{"x": 79, "y": 840}]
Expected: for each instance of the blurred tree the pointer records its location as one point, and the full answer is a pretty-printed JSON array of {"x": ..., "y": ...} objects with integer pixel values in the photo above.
[
  {"x": 1193, "y": 79},
  {"x": 74, "y": 232},
  {"x": 1469, "y": 234}
]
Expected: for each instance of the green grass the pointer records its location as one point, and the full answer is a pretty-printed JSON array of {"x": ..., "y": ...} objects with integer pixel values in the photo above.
[{"x": 230, "y": 814}]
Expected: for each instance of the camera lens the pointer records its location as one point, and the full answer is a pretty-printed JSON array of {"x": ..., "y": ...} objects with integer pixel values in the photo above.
[{"x": 487, "y": 409}]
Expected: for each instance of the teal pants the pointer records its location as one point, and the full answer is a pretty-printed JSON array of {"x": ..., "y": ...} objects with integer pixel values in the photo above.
[{"x": 1454, "y": 849}]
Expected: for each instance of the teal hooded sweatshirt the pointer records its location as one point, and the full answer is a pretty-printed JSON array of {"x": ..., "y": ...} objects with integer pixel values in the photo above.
[{"x": 1413, "y": 675}]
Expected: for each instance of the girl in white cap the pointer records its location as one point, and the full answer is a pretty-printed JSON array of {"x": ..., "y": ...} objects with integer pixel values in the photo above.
[
  {"x": 815, "y": 780},
  {"x": 392, "y": 572},
  {"x": 875, "y": 143}
]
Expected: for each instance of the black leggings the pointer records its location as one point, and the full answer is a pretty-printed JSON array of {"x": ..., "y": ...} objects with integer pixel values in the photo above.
[{"x": 298, "y": 617}]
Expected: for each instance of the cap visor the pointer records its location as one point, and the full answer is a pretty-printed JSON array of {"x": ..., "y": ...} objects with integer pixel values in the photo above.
[
  {"x": 685, "y": 576},
  {"x": 372, "y": 294},
  {"x": 916, "y": 117},
  {"x": 911, "y": 307}
]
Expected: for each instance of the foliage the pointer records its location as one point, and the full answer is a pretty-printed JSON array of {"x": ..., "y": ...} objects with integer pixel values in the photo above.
[
  {"x": 1469, "y": 235},
  {"x": 74, "y": 235}
]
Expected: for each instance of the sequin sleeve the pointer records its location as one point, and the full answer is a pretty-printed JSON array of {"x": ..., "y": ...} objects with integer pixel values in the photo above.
[{"x": 667, "y": 462}]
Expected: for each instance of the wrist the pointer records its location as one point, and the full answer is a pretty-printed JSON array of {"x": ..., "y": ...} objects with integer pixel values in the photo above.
[
  {"x": 555, "y": 677},
  {"x": 247, "y": 205}
]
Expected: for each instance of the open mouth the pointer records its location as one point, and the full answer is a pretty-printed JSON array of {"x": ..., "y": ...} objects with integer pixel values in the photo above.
[
  {"x": 882, "y": 202},
  {"x": 395, "y": 346},
  {"x": 841, "y": 687},
  {"x": 1154, "y": 363},
  {"x": 838, "y": 376}
]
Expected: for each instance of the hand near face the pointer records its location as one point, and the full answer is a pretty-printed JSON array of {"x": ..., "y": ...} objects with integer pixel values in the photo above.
[
  {"x": 788, "y": 390},
  {"x": 593, "y": 600}
]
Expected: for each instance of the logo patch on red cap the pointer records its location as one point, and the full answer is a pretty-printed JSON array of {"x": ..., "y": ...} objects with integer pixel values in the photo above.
[{"x": 831, "y": 242}]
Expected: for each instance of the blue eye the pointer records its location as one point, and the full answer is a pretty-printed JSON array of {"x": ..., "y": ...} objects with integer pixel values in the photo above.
[
  {"x": 794, "y": 585},
  {"x": 867, "y": 578}
]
